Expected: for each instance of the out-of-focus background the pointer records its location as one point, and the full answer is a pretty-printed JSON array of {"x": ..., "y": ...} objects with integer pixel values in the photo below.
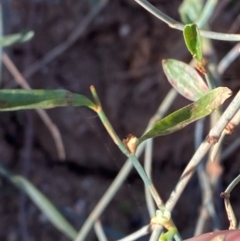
[{"x": 119, "y": 51}]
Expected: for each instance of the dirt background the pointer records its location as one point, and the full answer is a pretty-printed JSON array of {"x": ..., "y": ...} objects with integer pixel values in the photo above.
[{"x": 120, "y": 53}]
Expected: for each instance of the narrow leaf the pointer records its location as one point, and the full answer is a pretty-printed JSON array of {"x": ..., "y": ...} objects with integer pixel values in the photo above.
[
  {"x": 188, "y": 114},
  {"x": 42, "y": 202},
  {"x": 16, "y": 38},
  {"x": 184, "y": 79},
  {"x": 190, "y": 10},
  {"x": 193, "y": 41},
  {"x": 20, "y": 99}
]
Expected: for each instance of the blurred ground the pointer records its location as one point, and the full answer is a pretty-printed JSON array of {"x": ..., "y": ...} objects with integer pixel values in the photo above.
[{"x": 120, "y": 53}]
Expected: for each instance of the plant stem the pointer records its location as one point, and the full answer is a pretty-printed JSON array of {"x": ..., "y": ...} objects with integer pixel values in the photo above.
[
  {"x": 122, "y": 147},
  {"x": 176, "y": 25},
  {"x": 169, "y": 224},
  {"x": 206, "y": 13},
  {"x": 116, "y": 184},
  {"x": 228, "y": 206}
]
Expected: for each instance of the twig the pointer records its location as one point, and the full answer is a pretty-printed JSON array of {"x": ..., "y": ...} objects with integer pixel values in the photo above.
[
  {"x": 107, "y": 197},
  {"x": 127, "y": 167},
  {"x": 148, "y": 168},
  {"x": 207, "y": 201},
  {"x": 155, "y": 233},
  {"x": 42, "y": 113},
  {"x": 212, "y": 138},
  {"x": 149, "y": 143},
  {"x": 73, "y": 37},
  {"x": 229, "y": 210},
  {"x": 99, "y": 231},
  {"x": 176, "y": 25},
  {"x": 122, "y": 147},
  {"x": 163, "y": 216}
]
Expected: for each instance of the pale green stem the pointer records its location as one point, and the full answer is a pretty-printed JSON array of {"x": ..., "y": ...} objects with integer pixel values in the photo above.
[
  {"x": 147, "y": 181},
  {"x": 149, "y": 143},
  {"x": 135, "y": 236},
  {"x": 230, "y": 212},
  {"x": 174, "y": 24},
  {"x": 155, "y": 234},
  {"x": 233, "y": 184},
  {"x": 107, "y": 197},
  {"x": 206, "y": 13},
  {"x": 131, "y": 156},
  {"x": 204, "y": 183},
  {"x": 148, "y": 168},
  {"x": 99, "y": 231},
  {"x": 116, "y": 184}
]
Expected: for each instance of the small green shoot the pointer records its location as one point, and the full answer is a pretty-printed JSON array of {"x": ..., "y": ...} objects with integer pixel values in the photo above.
[{"x": 193, "y": 41}]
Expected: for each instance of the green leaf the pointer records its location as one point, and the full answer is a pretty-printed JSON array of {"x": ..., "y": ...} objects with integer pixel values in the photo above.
[
  {"x": 184, "y": 79},
  {"x": 190, "y": 10},
  {"x": 42, "y": 202},
  {"x": 188, "y": 114},
  {"x": 193, "y": 41},
  {"x": 19, "y": 99},
  {"x": 16, "y": 38}
]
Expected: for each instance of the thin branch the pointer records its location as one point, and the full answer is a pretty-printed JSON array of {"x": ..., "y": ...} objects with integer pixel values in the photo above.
[
  {"x": 99, "y": 231},
  {"x": 73, "y": 37},
  {"x": 42, "y": 113},
  {"x": 138, "y": 234},
  {"x": 155, "y": 234},
  {"x": 228, "y": 206},
  {"x": 148, "y": 168},
  {"x": 147, "y": 181},
  {"x": 176, "y": 25},
  {"x": 207, "y": 200},
  {"x": 122, "y": 175},
  {"x": 149, "y": 144}
]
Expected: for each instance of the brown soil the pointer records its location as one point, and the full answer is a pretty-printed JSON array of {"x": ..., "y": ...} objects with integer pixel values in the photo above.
[{"x": 120, "y": 53}]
